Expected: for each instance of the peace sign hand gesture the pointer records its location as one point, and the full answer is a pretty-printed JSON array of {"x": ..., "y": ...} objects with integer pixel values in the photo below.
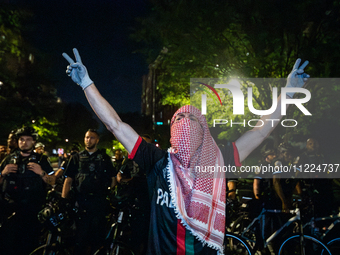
[
  {"x": 297, "y": 78},
  {"x": 77, "y": 71}
]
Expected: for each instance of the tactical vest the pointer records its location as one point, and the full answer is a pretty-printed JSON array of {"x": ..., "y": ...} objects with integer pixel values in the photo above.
[
  {"x": 93, "y": 177},
  {"x": 24, "y": 185}
]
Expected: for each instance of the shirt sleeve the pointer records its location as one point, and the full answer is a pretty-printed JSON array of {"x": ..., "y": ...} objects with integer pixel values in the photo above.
[
  {"x": 230, "y": 154},
  {"x": 109, "y": 166},
  {"x": 146, "y": 155},
  {"x": 72, "y": 167}
]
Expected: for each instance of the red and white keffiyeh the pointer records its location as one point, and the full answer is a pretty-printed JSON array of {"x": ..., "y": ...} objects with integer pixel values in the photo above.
[{"x": 199, "y": 195}]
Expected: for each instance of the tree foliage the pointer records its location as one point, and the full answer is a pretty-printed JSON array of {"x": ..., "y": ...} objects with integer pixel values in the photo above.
[
  {"x": 26, "y": 94},
  {"x": 247, "y": 39},
  {"x": 242, "y": 38}
]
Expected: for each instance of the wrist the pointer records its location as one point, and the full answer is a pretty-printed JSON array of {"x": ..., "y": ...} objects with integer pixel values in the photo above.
[
  {"x": 85, "y": 87},
  {"x": 42, "y": 174},
  {"x": 86, "y": 82}
]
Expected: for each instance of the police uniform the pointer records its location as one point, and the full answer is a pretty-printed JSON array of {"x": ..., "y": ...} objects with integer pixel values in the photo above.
[
  {"x": 92, "y": 176},
  {"x": 24, "y": 193},
  {"x": 320, "y": 188}
]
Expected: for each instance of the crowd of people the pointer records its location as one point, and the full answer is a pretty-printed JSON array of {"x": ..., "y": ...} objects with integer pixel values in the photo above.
[
  {"x": 87, "y": 179},
  {"x": 277, "y": 191},
  {"x": 86, "y": 176},
  {"x": 316, "y": 197}
]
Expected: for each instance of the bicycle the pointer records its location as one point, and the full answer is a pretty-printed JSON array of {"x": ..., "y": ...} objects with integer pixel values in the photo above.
[
  {"x": 59, "y": 223},
  {"x": 299, "y": 243},
  {"x": 327, "y": 232},
  {"x": 236, "y": 245},
  {"x": 114, "y": 244}
]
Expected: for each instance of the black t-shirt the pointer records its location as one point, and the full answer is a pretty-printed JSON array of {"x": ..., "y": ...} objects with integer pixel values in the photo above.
[{"x": 167, "y": 235}]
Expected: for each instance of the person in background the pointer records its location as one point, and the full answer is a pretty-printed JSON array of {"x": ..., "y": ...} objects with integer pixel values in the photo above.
[
  {"x": 3, "y": 150},
  {"x": 12, "y": 142},
  {"x": 90, "y": 174},
  {"x": 118, "y": 162},
  {"x": 59, "y": 174},
  {"x": 40, "y": 148},
  {"x": 23, "y": 178},
  {"x": 320, "y": 189},
  {"x": 260, "y": 185}
]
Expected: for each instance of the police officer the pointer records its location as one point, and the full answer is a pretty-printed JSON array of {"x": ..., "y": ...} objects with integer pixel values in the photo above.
[
  {"x": 59, "y": 174},
  {"x": 285, "y": 187},
  {"x": 23, "y": 179},
  {"x": 119, "y": 158},
  {"x": 90, "y": 174},
  {"x": 260, "y": 184},
  {"x": 319, "y": 189}
]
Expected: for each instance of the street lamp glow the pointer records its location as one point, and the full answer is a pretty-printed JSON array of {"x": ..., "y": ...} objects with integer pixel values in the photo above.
[{"x": 66, "y": 140}]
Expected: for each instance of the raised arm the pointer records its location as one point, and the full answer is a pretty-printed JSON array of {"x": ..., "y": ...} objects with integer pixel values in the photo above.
[
  {"x": 253, "y": 138},
  {"x": 105, "y": 112}
]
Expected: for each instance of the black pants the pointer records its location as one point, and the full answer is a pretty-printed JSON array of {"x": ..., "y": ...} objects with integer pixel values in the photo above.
[
  {"x": 20, "y": 234},
  {"x": 91, "y": 225}
]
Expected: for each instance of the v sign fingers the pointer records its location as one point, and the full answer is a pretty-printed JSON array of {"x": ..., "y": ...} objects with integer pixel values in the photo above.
[
  {"x": 297, "y": 78},
  {"x": 296, "y": 65},
  {"x": 67, "y": 57},
  {"x": 302, "y": 67},
  {"x": 76, "y": 54},
  {"x": 77, "y": 71}
]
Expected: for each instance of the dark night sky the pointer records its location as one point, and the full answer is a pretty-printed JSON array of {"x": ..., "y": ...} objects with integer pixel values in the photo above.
[{"x": 100, "y": 30}]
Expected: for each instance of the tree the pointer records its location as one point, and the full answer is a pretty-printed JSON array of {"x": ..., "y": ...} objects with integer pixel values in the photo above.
[
  {"x": 26, "y": 94},
  {"x": 76, "y": 120},
  {"x": 240, "y": 38},
  {"x": 247, "y": 38}
]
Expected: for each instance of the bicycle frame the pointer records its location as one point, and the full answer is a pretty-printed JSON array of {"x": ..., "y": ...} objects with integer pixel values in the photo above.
[
  {"x": 329, "y": 228},
  {"x": 113, "y": 235},
  {"x": 296, "y": 218},
  {"x": 262, "y": 216}
]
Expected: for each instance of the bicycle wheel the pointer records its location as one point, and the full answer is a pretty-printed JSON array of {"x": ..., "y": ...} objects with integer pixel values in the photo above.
[
  {"x": 239, "y": 227},
  {"x": 119, "y": 248},
  {"x": 51, "y": 250},
  {"x": 235, "y": 245},
  {"x": 334, "y": 246},
  {"x": 312, "y": 246}
]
